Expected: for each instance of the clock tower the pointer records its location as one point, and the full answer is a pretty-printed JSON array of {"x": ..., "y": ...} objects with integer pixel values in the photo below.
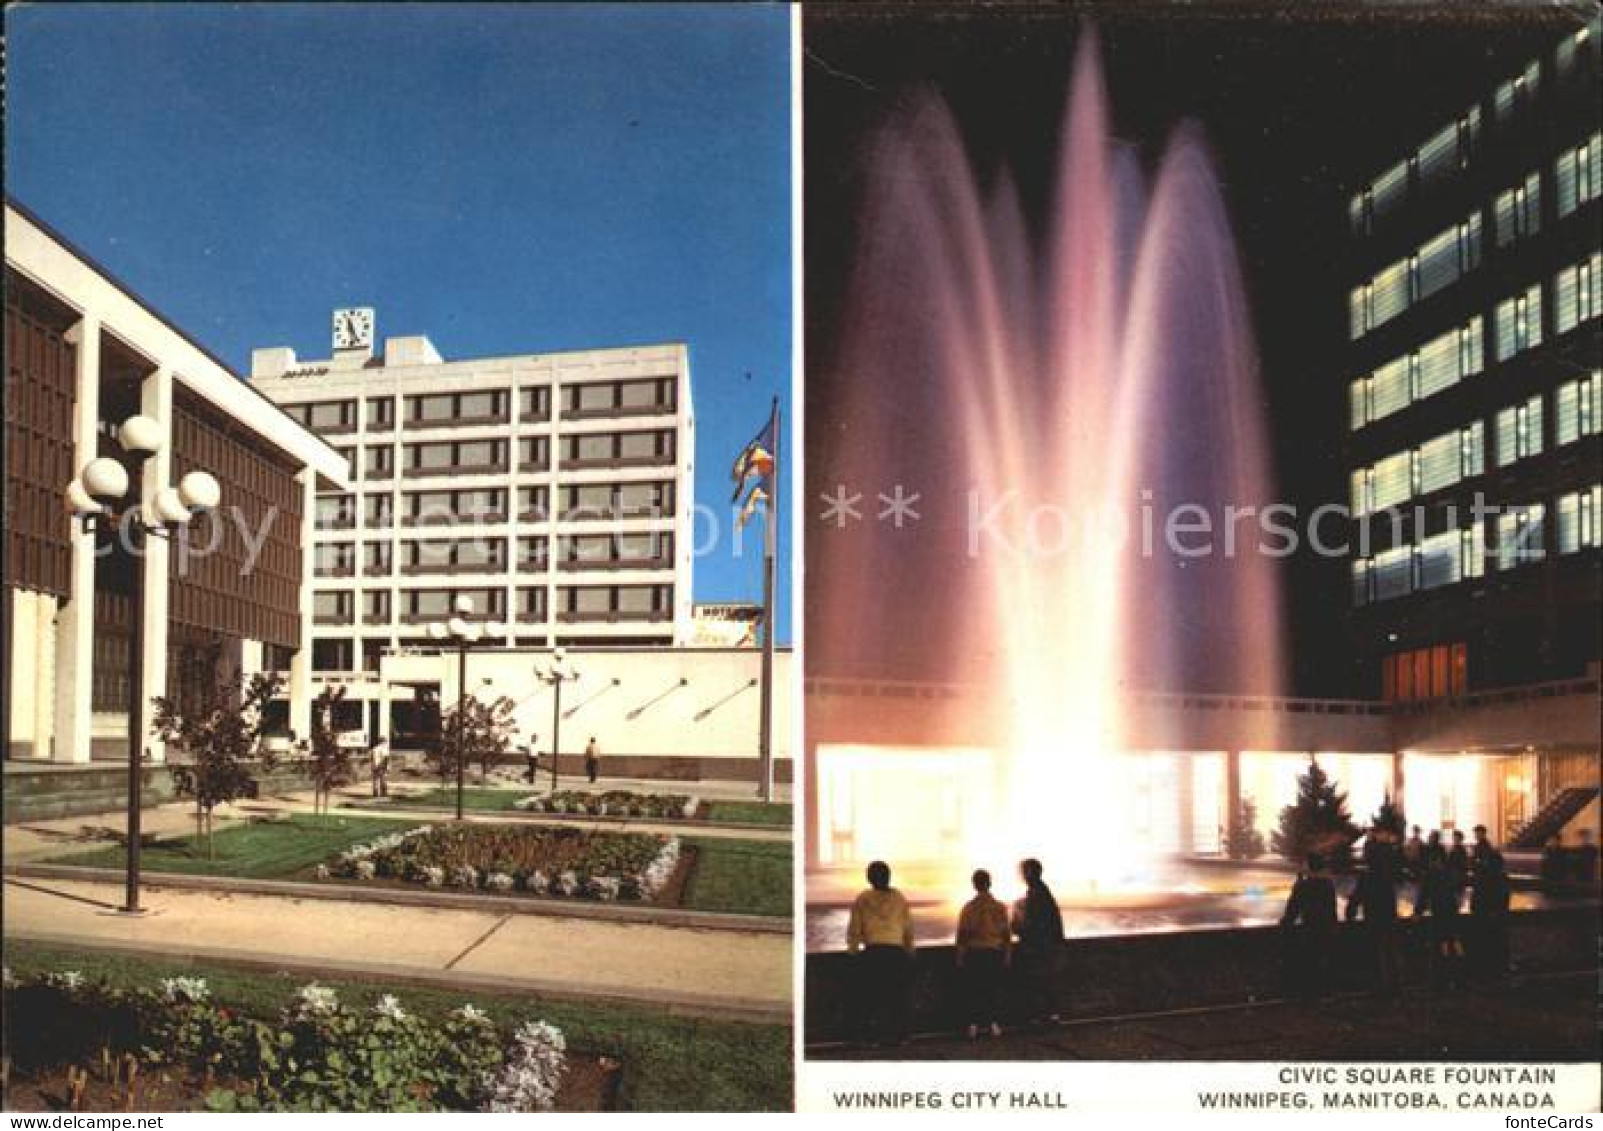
[{"x": 353, "y": 334}]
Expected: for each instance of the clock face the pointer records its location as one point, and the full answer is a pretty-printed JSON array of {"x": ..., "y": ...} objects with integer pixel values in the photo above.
[{"x": 353, "y": 328}]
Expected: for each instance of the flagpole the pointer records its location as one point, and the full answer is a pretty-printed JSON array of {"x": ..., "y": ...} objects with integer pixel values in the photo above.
[{"x": 765, "y": 741}]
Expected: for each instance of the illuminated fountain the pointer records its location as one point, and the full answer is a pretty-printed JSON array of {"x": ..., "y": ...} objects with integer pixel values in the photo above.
[{"x": 1059, "y": 386}]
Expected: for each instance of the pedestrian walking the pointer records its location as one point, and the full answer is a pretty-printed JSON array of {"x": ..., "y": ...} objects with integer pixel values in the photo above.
[{"x": 592, "y": 759}]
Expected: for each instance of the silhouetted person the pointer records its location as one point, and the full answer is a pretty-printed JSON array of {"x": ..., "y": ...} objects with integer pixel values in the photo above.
[
  {"x": 531, "y": 760},
  {"x": 379, "y": 766},
  {"x": 881, "y": 928},
  {"x": 1038, "y": 925},
  {"x": 1413, "y": 855},
  {"x": 1439, "y": 898},
  {"x": 1555, "y": 862},
  {"x": 1458, "y": 865},
  {"x": 984, "y": 946},
  {"x": 1481, "y": 850},
  {"x": 1374, "y": 896},
  {"x": 1434, "y": 855},
  {"x": 1310, "y": 926},
  {"x": 592, "y": 759},
  {"x": 1586, "y": 859},
  {"x": 1488, "y": 910}
]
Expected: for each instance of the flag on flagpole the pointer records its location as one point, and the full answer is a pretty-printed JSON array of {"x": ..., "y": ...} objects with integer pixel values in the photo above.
[
  {"x": 757, "y": 498},
  {"x": 756, "y": 460}
]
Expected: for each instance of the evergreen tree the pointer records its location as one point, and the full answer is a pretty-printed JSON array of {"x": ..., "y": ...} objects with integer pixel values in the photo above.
[
  {"x": 1390, "y": 818},
  {"x": 1317, "y": 822},
  {"x": 1246, "y": 842}
]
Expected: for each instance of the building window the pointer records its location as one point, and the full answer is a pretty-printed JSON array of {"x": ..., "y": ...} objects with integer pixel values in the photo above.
[
  {"x": 335, "y": 512},
  {"x": 616, "y": 602},
  {"x": 1519, "y": 432},
  {"x": 1520, "y": 536},
  {"x": 333, "y": 607},
  {"x": 534, "y": 553},
  {"x": 531, "y": 604},
  {"x": 376, "y": 606},
  {"x": 602, "y": 449},
  {"x": 1578, "y": 520},
  {"x": 487, "y": 406},
  {"x": 380, "y": 414},
  {"x": 325, "y": 416},
  {"x": 1518, "y": 211},
  {"x": 441, "y": 556},
  {"x": 377, "y": 559},
  {"x": 332, "y": 656},
  {"x": 534, "y": 403},
  {"x": 1577, "y": 173},
  {"x": 419, "y": 605},
  {"x": 1440, "y": 559},
  {"x": 380, "y": 462},
  {"x": 534, "y": 453},
  {"x": 1517, "y": 95},
  {"x": 1425, "y": 673},
  {"x": 648, "y": 396},
  {"x": 534, "y": 504},
  {"x": 449, "y": 457},
  {"x": 1575, "y": 408},
  {"x": 373, "y": 655},
  {"x": 643, "y": 549},
  {"x": 1519, "y": 323},
  {"x": 378, "y": 511},
  {"x": 1575, "y": 294},
  {"x": 591, "y": 501},
  {"x": 334, "y": 559},
  {"x": 1439, "y": 364},
  {"x": 486, "y": 505}
]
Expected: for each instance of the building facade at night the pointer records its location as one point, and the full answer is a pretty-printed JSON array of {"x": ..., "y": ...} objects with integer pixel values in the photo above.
[
  {"x": 1473, "y": 374},
  {"x": 83, "y": 354},
  {"x": 554, "y": 491}
]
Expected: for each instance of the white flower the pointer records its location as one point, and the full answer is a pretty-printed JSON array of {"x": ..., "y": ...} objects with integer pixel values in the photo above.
[
  {"x": 471, "y": 1012},
  {"x": 529, "y": 804},
  {"x": 568, "y": 883},
  {"x": 389, "y": 1006},
  {"x": 465, "y": 876},
  {"x": 69, "y": 980},
  {"x": 313, "y": 1000},
  {"x": 321, "y": 872},
  {"x": 539, "y": 883},
  {"x": 605, "y": 887},
  {"x": 533, "y": 1072},
  {"x": 365, "y": 869},
  {"x": 434, "y": 876},
  {"x": 657, "y": 874},
  {"x": 689, "y": 809},
  {"x": 175, "y": 990},
  {"x": 498, "y": 881}
]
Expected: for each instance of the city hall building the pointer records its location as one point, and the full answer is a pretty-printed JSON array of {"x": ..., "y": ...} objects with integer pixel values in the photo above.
[{"x": 84, "y": 353}]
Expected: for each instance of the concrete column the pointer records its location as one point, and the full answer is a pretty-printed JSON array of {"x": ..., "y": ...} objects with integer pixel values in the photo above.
[
  {"x": 1185, "y": 803},
  {"x": 75, "y": 627},
  {"x": 156, "y": 402},
  {"x": 1398, "y": 781},
  {"x": 300, "y": 667}
]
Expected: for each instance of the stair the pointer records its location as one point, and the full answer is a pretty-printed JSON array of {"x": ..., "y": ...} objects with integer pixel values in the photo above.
[{"x": 1552, "y": 817}]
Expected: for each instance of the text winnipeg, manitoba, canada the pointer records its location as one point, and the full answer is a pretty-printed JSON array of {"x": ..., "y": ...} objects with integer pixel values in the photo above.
[{"x": 1400, "y": 1088}]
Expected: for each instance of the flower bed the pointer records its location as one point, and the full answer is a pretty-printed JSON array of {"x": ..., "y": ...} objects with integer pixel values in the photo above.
[
  {"x": 615, "y": 803},
  {"x": 146, "y": 1047},
  {"x": 508, "y": 859}
]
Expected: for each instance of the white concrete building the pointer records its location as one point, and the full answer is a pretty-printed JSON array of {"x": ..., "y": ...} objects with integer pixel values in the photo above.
[
  {"x": 554, "y": 490},
  {"x": 84, "y": 353}
]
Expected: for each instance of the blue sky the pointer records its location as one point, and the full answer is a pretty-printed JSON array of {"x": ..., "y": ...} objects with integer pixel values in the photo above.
[{"x": 504, "y": 179}]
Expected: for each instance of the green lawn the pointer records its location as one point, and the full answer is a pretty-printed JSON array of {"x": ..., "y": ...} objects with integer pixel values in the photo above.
[
  {"x": 257, "y": 850},
  {"x": 670, "y": 1063},
  {"x": 744, "y": 876},
  {"x": 750, "y": 812}
]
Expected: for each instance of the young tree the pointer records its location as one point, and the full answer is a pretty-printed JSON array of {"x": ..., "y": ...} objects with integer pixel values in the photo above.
[
  {"x": 1317, "y": 822},
  {"x": 1246, "y": 842},
  {"x": 1389, "y": 817},
  {"x": 483, "y": 736},
  {"x": 329, "y": 763},
  {"x": 220, "y": 728}
]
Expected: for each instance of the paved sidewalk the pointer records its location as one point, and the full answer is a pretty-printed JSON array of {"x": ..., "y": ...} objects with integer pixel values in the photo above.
[{"x": 693, "y": 970}]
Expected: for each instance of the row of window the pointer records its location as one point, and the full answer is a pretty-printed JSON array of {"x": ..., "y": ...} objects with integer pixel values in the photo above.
[
  {"x": 638, "y": 550},
  {"x": 645, "y": 396},
  {"x": 652, "y": 499},
  {"x": 1461, "y": 454},
  {"x": 574, "y": 602},
  {"x": 650, "y": 447},
  {"x": 1455, "y": 146},
  {"x": 1432, "y": 267},
  {"x": 1520, "y": 535}
]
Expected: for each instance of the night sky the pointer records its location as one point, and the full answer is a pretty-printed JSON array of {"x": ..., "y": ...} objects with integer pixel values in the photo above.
[{"x": 1300, "y": 107}]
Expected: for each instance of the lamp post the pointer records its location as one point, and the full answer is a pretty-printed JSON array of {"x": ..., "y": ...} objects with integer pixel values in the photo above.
[
  {"x": 556, "y": 675},
  {"x": 99, "y": 498},
  {"x": 463, "y": 633}
]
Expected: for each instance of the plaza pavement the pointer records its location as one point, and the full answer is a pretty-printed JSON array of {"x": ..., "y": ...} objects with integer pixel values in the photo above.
[
  {"x": 696, "y": 970},
  {"x": 715, "y": 972}
]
